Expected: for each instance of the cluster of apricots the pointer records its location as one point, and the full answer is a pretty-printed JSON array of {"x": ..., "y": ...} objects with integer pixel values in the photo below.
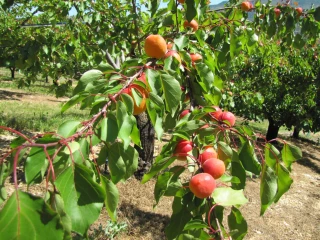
[
  {"x": 210, "y": 161},
  {"x": 248, "y": 6}
]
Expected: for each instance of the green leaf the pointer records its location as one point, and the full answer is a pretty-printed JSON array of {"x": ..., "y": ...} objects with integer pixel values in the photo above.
[
  {"x": 154, "y": 6},
  {"x": 284, "y": 182},
  {"x": 316, "y": 14},
  {"x": 68, "y": 128},
  {"x": 166, "y": 181},
  {"x": 123, "y": 162},
  {"x": 179, "y": 218},
  {"x": 195, "y": 224},
  {"x": 103, "y": 155},
  {"x": 290, "y": 154},
  {"x": 237, "y": 224},
  {"x": 206, "y": 76},
  {"x": 272, "y": 155},
  {"x": 73, "y": 146},
  {"x": 86, "y": 78},
  {"x": 157, "y": 167},
  {"x": 82, "y": 153},
  {"x": 108, "y": 128},
  {"x": 124, "y": 123},
  {"x": 73, "y": 101},
  {"x": 45, "y": 49},
  {"x": 112, "y": 198},
  {"x": 128, "y": 101},
  {"x": 83, "y": 197},
  {"x": 172, "y": 93},
  {"x": 57, "y": 204},
  {"x": 27, "y": 217},
  {"x": 36, "y": 165},
  {"x": 191, "y": 10},
  {"x": 229, "y": 197},
  {"x": 249, "y": 159},
  {"x": 268, "y": 188}
]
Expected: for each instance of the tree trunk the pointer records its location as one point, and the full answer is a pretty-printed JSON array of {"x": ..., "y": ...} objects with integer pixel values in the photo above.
[
  {"x": 273, "y": 129},
  {"x": 296, "y": 131},
  {"x": 12, "y": 69},
  {"x": 47, "y": 79},
  {"x": 147, "y": 133}
]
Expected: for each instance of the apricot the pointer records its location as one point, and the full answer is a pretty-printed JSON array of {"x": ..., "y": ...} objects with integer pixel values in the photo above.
[
  {"x": 184, "y": 113},
  {"x": 299, "y": 11},
  {"x": 228, "y": 118},
  {"x": 174, "y": 54},
  {"x": 215, "y": 167},
  {"x": 181, "y": 1},
  {"x": 277, "y": 12},
  {"x": 143, "y": 104},
  {"x": 208, "y": 152},
  {"x": 246, "y": 6},
  {"x": 216, "y": 114},
  {"x": 182, "y": 149},
  {"x": 155, "y": 46},
  {"x": 202, "y": 185},
  {"x": 193, "y": 24}
]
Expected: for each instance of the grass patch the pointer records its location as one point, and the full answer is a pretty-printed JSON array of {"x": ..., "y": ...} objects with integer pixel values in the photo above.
[{"x": 36, "y": 117}]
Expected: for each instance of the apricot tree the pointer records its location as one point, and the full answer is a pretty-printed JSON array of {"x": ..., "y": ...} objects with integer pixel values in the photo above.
[{"x": 77, "y": 189}]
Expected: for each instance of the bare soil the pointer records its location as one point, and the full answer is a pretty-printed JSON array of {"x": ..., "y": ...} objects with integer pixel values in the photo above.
[{"x": 295, "y": 216}]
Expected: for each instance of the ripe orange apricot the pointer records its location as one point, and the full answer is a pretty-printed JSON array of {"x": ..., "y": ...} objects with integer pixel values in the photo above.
[
  {"x": 246, "y": 6},
  {"x": 182, "y": 149},
  {"x": 155, "y": 46},
  {"x": 208, "y": 152},
  {"x": 215, "y": 167},
  {"x": 202, "y": 185},
  {"x": 299, "y": 11},
  {"x": 193, "y": 24},
  {"x": 143, "y": 104}
]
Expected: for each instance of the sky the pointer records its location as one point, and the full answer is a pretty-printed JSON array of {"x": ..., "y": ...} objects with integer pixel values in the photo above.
[{"x": 73, "y": 11}]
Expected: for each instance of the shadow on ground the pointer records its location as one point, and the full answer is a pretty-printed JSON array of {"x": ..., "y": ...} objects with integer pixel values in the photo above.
[{"x": 143, "y": 222}]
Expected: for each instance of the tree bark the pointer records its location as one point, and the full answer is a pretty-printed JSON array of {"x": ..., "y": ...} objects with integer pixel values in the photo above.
[
  {"x": 273, "y": 129},
  {"x": 147, "y": 134},
  {"x": 12, "y": 69},
  {"x": 296, "y": 131}
]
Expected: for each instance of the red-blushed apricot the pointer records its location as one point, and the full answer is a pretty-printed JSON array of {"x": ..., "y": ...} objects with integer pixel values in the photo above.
[
  {"x": 202, "y": 185},
  {"x": 174, "y": 54},
  {"x": 155, "y": 46},
  {"x": 184, "y": 112},
  {"x": 195, "y": 57},
  {"x": 182, "y": 149},
  {"x": 215, "y": 167},
  {"x": 277, "y": 12},
  {"x": 216, "y": 114},
  {"x": 208, "y": 152},
  {"x": 228, "y": 118}
]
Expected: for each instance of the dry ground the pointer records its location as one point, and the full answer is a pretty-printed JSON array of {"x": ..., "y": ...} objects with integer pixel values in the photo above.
[{"x": 295, "y": 216}]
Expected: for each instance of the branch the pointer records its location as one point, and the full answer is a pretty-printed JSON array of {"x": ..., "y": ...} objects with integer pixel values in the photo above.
[
  {"x": 28, "y": 18},
  {"x": 110, "y": 60}
]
